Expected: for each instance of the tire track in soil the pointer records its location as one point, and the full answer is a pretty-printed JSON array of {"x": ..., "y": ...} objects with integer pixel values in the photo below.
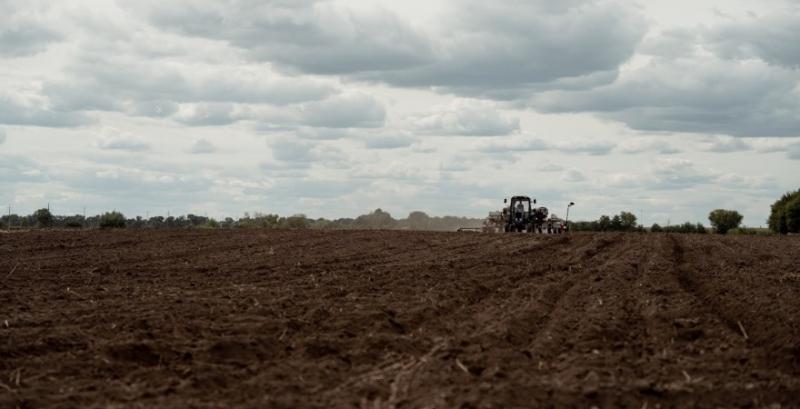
[
  {"x": 502, "y": 327},
  {"x": 727, "y": 278}
]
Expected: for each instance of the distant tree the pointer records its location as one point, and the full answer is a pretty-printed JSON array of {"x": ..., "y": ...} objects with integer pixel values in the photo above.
[
  {"x": 419, "y": 221},
  {"x": 616, "y": 223},
  {"x": 627, "y": 221},
  {"x": 43, "y": 218},
  {"x": 112, "y": 220},
  {"x": 656, "y": 228},
  {"x": 793, "y": 215},
  {"x": 156, "y": 222},
  {"x": 74, "y": 222},
  {"x": 603, "y": 223},
  {"x": 298, "y": 221},
  {"x": 785, "y": 214},
  {"x": 700, "y": 229},
  {"x": 724, "y": 220},
  {"x": 378, "y": 219}
]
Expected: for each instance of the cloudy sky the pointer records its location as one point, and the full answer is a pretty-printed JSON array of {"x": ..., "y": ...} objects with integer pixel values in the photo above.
[{"x": 332, "y": 108}]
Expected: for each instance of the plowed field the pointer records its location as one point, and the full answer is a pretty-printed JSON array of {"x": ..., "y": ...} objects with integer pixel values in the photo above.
[{"x": 287, "y": 319}]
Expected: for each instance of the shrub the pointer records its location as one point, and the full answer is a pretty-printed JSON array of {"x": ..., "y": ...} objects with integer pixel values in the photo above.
[
  {"x": 112, "y": 220},
  {"x": 656, "y": 228},
  {"x": 724, "y": 220},
  {"x": 74, "y": 222}
]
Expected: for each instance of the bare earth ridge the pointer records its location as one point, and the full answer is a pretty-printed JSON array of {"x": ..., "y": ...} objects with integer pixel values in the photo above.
[{"x": 388, "y": 319}]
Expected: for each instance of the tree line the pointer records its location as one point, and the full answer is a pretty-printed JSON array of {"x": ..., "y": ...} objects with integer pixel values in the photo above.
[
  {"x": 377, "y": 219},
  {"x": 784, "y": 219}
]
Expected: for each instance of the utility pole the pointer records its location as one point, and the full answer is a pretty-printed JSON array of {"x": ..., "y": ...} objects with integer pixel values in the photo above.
[
  {"x": 9, "y": 218},
  {"x": 566, "y": 221}
]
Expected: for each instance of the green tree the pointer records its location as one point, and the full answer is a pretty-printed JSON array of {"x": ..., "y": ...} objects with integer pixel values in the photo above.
[
  {"x": 656, "y": 228},
  {"x": 112, "y": 220},
  {"x": 604, "y": 223},
  {"x": 298, "y": 221},
  {"x": 627, "y": 221},
  {"x": 43, "y": 218},
  {"x": 74, "y": 222},
  {"x": 784, "y": 216},
  {"x": 700, "y": 229},
  {"x": 724, "y": 220}
]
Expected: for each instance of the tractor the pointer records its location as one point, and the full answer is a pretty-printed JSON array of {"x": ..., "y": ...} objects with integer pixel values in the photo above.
[{"x": 521, "y": 216}]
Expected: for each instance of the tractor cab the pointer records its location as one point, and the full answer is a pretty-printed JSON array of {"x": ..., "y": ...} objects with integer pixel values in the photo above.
[{"x": 519, "y": 213}]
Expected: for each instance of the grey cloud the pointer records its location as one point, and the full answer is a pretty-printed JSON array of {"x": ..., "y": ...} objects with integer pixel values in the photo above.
[
  {"x": 594, "y": 148},
  {"x": 665, "y": 174},
  {"x": 355, "y": 110},
  {"x": 700, "y": 95},
  {"x": 466, "y": 118},
  {"x": 647, "y": 144},
  {"x": 772, "y": 38},
  {"x": 671, "y": 43},
  {"x": 22, "y": 34},
  {"x": 152, "y": 88},
  {"x": 288, "y": 150},
  {"x": 14, "y": 112},
  {"x": 123, "y": 143},
  {"x": 573, "y": 175},
  {"x": 310, "y": 188},
  {"x": 2, "y": 136},
  {"x": 309, "y": 36},
  {"x": 291, "y": 153},
  {"x": 727, "y": 145},
  {"x": 528, "y": 144},
  {"x": 388, "y": 141},
  {"x": 153, "y": 109},
  {"x": 499, "y": 49},
  {"x": 794, "y": 152},
  {"x": 208, "y": 114},
  {"x": 16, "y": 169},
  {"x": 549, "y": 167},
  {"x": 505, "y": 50},
  {"x": 203, "y": 146},
  {"x": 141, "y": 184},
  {"x": 306, "y": 132}
]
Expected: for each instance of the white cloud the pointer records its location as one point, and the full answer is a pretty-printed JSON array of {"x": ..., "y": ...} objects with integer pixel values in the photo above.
[
  {"x": 727, "y": 145},
  {"x": 466, "y": 118},
  {"x": 647, "y": 145},
  {"x": 351, "y": 110},
  {"x": 122, "y": 142},
  {"x": 18, "y": 111}
]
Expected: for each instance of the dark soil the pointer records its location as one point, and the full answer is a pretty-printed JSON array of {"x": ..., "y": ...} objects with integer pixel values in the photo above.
[{"x": 386, "y": 319}]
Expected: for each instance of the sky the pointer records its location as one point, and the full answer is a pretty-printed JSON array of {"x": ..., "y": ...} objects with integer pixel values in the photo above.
[{"x": 668, "y": 109}]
